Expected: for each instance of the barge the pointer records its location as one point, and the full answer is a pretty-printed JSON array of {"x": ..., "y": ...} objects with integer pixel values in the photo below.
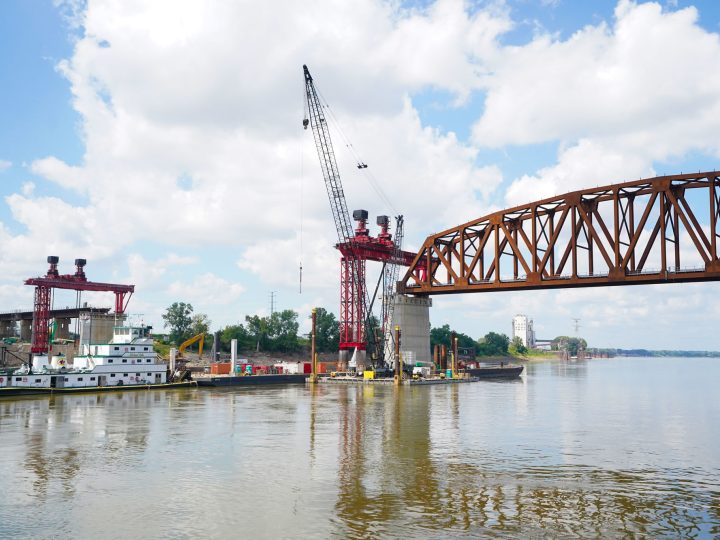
[
  {"x": 509, "y": 371},
  {"x": 251, "y": 380}
]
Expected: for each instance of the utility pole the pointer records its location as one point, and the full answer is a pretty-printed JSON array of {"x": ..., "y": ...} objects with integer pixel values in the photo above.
[
  {"x": 272, "y": 302},
  {"x": 577, "y": 327}
]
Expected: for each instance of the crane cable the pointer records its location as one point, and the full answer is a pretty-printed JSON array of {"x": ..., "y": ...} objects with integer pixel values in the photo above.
[
  {"x": 356, "y": 157},
  {"x": 302, "y": 180}
]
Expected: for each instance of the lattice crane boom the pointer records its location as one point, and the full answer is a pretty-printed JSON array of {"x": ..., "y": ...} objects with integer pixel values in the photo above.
[
  {"x": 353, "y": 293},
  {"x": 331, "y": 173}
]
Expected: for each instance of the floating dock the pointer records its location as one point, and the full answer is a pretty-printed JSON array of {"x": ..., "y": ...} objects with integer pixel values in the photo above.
[
  {"x": 251, "y": 380},
  {"x": 385, "y": 381}
]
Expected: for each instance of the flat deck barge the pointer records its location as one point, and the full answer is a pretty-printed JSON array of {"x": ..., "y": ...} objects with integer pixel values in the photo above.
[
  {"x": 251, "y": 380},
  {"x": 495, "y": 372},
  {"x": 14, "y": 391},
  {"x": 387, "y": 381}
]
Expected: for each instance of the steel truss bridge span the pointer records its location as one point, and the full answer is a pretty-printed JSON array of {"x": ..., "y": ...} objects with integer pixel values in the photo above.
[{"x": 656, "y": 230}]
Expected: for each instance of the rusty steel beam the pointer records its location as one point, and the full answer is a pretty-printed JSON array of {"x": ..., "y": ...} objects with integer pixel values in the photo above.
[{"x": 587, "y": 238}]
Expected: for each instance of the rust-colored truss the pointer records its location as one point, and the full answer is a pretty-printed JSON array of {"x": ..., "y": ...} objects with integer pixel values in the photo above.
[{"x": 657, "y": 230}]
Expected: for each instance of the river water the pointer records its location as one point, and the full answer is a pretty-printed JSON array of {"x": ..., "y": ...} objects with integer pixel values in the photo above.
[{"x": 600, "y": 448}]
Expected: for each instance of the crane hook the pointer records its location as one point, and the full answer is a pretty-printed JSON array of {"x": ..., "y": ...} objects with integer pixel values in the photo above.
[{"x": 305, "y": 123}]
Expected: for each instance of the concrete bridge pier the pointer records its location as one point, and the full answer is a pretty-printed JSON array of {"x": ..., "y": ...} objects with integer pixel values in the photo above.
[
  {"x": 412, "y": 315},
  {"x": 25, "y": 330},
  {"x": 7, "y": 329},
  {"x": 62, "y": 328}
]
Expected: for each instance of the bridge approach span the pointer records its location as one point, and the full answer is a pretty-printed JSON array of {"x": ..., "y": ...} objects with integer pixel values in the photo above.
[{"x": 656, "y": 230}]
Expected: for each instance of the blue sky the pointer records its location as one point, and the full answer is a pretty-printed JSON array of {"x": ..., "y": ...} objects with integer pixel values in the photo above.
[{"x": 163, "y": 143}]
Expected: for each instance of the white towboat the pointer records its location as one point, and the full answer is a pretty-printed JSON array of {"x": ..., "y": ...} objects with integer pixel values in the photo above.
[{"x": 128, "y": 361}]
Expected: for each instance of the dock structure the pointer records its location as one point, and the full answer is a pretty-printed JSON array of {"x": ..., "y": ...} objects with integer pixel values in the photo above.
[{"x": 387, "y": 381}]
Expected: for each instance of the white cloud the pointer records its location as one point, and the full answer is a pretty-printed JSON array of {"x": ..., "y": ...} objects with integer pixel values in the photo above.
[
  {"x": 589, "y": 163},
  {"x": 190, "y": 115},
  {"x": 191, "y": 139},
  {"x": 207, "y": 290},
  {"x": 611, "y": 94},
  {"x": 606, "y": 81},
  {"x": 28, "y": 188},
  {"x": 146, "y": 273}
]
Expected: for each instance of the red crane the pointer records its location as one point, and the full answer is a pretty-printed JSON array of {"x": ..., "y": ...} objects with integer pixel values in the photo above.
[
  {"x": 77, "y": 282},
  {"x": 356, "y": 246}
]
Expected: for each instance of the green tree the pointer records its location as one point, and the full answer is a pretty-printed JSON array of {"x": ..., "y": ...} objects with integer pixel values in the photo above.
[
  {"x": 443, "y": 335},
  {"x": 200, "y": 324},
  {"x": 282, "y": 331},
  {"x": 258, "y": 328},
  {"x": 517, "y": 346},
  {"x": 571, "y": 344},
  {"x": 178, "y": 317},
  {"x": 327, "y": 331},
  {"x": 440, "y": 336},
  {"x": 246, "y": 340},
  {"x": 493, "y": 344}
]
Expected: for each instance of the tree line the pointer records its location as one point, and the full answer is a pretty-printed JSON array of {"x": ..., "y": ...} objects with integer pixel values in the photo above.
[
  {"x": 275, "y": 333},
  {"x": 278, "y": 332},
  {"x": 492, "y": 344}
]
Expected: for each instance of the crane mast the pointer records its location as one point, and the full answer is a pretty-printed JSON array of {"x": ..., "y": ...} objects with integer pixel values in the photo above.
[{"x": 352, "y": 270}]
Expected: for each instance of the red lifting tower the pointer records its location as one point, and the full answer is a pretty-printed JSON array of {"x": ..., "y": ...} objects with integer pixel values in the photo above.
[{"x": 76, "y": 282}]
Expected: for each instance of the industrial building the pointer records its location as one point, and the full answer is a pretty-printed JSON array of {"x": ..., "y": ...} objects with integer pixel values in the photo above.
[{"x": 522, "y": 327}]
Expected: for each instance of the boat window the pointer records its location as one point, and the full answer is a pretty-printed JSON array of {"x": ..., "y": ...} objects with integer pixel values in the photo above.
[
  {"x": 110, "y": 361},
  {"x": 80, "y": 378},
  {"x": 137, "y": 374},
  {"x": 148, "y": 360},
  {"x": 126, "y": 374},
  {"x": 132, "y": 348},
  {"x": 66, "y": 379},
  {"x": 124, "y": 360},
  {"x": 145, "y": 349},
  {"x": 38, "y": 380},
  {"x": 116, "y": 348},
  {"x": 112, "y": 374},
  {"x": 92, "y": 378}
]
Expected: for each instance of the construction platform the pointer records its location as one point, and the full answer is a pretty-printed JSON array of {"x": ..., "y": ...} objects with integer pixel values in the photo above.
[{"x": 405, "y": 382}]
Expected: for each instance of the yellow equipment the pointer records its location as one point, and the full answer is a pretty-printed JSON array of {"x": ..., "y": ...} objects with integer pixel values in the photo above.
[{"x": 195, "y": 339}]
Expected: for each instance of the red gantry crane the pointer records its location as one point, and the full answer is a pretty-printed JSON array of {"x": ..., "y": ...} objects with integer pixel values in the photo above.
[
  {"x": 77, "y": 282},
  {"x": 356, "y": 246}
]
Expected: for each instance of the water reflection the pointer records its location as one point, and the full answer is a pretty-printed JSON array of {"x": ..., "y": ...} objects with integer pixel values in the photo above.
[
  {"x": 396, "y": 482},
  {"x": 562, "y": 452}
]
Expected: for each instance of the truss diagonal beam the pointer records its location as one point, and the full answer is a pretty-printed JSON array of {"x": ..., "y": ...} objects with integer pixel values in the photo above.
[{"x": 585, "y": 238}]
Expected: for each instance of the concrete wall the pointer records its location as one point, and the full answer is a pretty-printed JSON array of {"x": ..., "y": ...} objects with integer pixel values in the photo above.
[{"x": 412, "y": 314}]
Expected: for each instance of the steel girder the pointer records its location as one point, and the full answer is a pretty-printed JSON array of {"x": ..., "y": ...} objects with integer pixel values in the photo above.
[{"x": 656, "y": 230}]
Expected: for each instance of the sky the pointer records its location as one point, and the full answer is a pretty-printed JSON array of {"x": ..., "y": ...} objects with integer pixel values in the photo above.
[{"x": 162, "y": 141}]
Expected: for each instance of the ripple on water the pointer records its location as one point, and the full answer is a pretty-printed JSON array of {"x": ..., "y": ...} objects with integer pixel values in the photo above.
[{"x": 548, "y": 456}]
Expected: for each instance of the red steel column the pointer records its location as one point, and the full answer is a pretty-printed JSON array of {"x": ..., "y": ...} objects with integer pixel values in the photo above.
[{"x": 41, "y": 320}]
